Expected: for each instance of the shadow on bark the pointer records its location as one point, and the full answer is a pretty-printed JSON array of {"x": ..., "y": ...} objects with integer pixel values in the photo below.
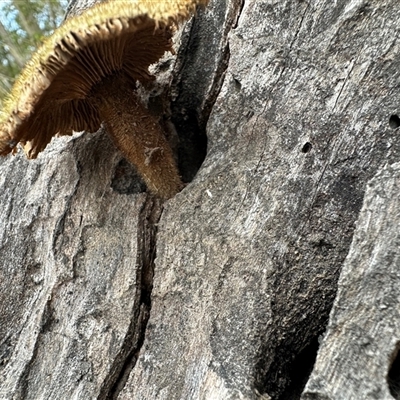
[{"x": 394, "y": 375}]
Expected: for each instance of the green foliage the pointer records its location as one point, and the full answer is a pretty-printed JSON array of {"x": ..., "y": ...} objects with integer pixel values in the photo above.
[{"x": 23, "y": 24}]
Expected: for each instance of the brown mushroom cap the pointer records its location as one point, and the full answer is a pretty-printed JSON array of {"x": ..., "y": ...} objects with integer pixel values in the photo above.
[{"x": 50, "y": 95}]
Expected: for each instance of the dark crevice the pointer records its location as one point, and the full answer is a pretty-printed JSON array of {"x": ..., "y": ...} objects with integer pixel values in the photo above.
[
  {"x": 186, "y": 108},
  {"x": 289, "y": 373},
  {"x": 240, "y": 7},
  {"x": 126, "y": 360},
  {"x": 300, "y": 370},
  {"x": 199, "y": 81},
  {"x": 192, "y": 147},
  {"x": 287, "y": 357},
  {"x": 394, "y": 374}
]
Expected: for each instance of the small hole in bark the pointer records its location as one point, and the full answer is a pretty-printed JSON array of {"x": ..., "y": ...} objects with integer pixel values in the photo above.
[
  {"x": 307, "y": 147},
  {"x": 238, "y": 85},
  {"x": 394, "y": 121},
  {"x": 394, "y": 375}
]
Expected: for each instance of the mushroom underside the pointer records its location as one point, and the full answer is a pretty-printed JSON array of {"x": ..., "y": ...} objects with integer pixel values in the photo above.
[{"x": 77, "y": 65}]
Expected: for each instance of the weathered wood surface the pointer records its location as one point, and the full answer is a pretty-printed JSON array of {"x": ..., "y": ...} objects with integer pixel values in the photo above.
[
  {"x": 363, "y": 334},
  {"x": 249, "y": 254}
]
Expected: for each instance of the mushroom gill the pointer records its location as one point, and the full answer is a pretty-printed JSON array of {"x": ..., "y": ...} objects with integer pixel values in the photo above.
[{"x": 86, "y": 74}]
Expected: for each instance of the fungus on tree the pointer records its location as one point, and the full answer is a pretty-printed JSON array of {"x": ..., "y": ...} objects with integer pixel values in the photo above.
[{"x": 86, "y": 73}]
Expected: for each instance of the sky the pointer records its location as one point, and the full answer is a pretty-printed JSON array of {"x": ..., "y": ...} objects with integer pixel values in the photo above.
[{"x": 8, "y": 19}]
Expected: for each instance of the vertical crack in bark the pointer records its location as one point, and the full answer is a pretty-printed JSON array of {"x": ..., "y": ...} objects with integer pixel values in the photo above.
[
  {"x": 223, "y": 62},
  {"x": 393, "y": 377},
  {"x": 125, "y": 361},
  {"x": 152, "y": 210},
  {"x": 238, "y": 13},
  {"x": 299, "y": 370},
  {"x": 195, "y": 94}
]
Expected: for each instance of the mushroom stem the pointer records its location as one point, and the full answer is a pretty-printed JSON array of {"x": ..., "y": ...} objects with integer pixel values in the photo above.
[{"x": 137, "y": 134}]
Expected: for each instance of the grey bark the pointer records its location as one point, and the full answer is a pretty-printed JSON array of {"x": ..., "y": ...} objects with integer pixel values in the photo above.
[
  {"x": 362, "y": 337},
  {"x": 296, "y": 100}
]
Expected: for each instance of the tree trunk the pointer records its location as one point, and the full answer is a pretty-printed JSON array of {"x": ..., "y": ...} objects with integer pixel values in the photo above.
[{"x": 278, "y": 260}]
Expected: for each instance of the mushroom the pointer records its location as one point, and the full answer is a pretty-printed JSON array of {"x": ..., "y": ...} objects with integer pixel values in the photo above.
[{"x": 86, "y": 73}]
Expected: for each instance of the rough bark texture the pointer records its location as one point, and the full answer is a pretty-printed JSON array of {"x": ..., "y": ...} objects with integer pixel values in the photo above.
[
  {"x": 300, "y": 103},
  {"x": 363, "y": 336}
]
